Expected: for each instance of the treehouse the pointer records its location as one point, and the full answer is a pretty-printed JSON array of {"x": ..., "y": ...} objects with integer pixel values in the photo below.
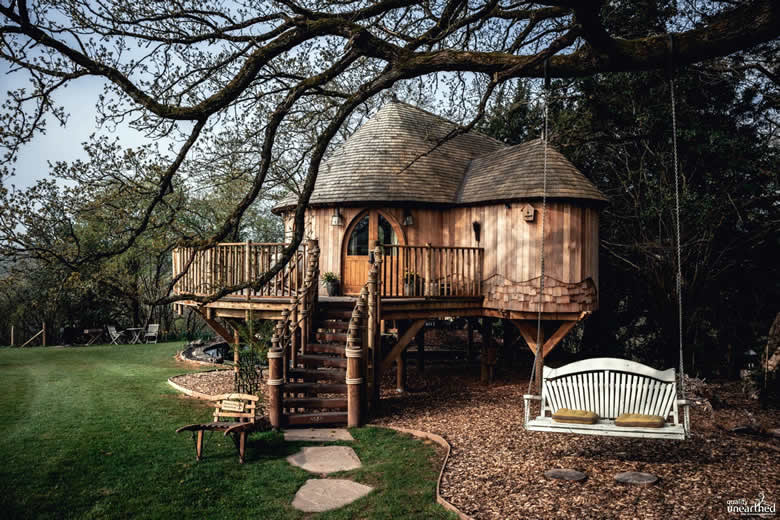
[{"x": 418, "y": 223}]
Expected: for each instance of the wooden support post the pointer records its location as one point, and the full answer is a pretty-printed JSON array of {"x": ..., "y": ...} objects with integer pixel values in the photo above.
[
  {"x": 510, "y": 333},
  {"x": 13, "y": 343},
  {"x": 236, "y": 343},
  {"x": 354, "y": 354},
  {"x": 428, "y": 270},
  {"x": 43, "y": 337},
  {"x": 487, "y": 340},
  {"x": 275, "y": 383},
  {"x": 247, "y": 250},
  {"x": 469, "y": 338},
  {"x": 354, "y": 384},
  {"x": 420, "y": 341},
  {"x": 372, "y": 333},
  {"x": 379, "y": 327},
  {"x": 400, "y": 373}
]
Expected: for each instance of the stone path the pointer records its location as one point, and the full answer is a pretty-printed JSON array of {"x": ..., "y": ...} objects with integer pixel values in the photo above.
[
  {"x": 565, "y": 474},
  {"x": 325, "y": 494},
  {"x": 637, "y": 478},
  {"x": 325, "y": 459},
  {"x": 320, "y": 494},
  {"x": 318, "y": 435}
]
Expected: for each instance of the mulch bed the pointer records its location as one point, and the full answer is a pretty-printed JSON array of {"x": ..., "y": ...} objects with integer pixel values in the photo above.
[
  {"x": 496, "y": 470},
  {"x": 213, "y": 382}
]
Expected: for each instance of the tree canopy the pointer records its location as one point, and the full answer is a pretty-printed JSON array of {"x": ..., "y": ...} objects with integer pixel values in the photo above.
[
  {"x": 241, "y": 101},
  {"x": 264, "y": 88}
]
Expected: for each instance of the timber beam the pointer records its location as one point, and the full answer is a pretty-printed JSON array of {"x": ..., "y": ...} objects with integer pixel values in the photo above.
[
  {"x": 403, "y": 342},
  {"x": 215, "y": 326},
  {"x": 528, "y": 331}
]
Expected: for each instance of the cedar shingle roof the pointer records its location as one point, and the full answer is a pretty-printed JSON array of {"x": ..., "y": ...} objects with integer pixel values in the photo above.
[
  {"x": 393, "y": 157},
  {"x": 516, "y": 172}
]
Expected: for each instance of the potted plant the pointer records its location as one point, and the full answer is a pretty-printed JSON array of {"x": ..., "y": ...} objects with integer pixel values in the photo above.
[
  {"x": 412, "y": 284},
  {"x": 331, "y": 283}
]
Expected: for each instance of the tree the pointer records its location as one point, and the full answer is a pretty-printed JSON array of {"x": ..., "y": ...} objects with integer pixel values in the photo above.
[{"x": 280, "y": 80}]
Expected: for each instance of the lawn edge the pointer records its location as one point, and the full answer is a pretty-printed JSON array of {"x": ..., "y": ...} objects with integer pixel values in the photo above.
[
  {"x": 188, "y": 391},
  {"x": 438, "y": 439}
]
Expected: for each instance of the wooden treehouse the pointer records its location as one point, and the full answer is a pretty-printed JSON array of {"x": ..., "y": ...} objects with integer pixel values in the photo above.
[{"x": 417, "y": 227}]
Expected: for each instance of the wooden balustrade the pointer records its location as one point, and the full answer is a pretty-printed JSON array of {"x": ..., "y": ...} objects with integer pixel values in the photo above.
[
  {"x": 419, "y": 271},
  {"x": 291, "y": 333},
  {"x": 229, "y": 264}
]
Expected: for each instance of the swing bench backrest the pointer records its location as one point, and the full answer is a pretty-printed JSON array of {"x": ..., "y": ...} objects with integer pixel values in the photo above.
[{"x": 609, "y": 387}]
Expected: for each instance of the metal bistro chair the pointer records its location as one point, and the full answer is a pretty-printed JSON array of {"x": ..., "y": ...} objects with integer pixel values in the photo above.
[{"x": 151, "y": 333}]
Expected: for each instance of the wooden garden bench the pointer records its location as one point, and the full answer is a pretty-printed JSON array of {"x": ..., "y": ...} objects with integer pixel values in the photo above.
[
  {"x": 610, "y": 387},
  {"x": 235, "y": 415}
]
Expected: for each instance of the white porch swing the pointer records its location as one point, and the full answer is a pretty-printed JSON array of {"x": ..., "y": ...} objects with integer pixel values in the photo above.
[{"x": 610, "y": 396}]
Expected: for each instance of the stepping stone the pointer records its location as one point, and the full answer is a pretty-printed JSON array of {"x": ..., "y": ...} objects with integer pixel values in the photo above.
[
  {"x": 325, "y": 459},
  {"x": 320, "y": 494},
  {"x": 565, "y": 474},
  {"x": 637, "y": 478},
  {"x": 318, "y": 435}
]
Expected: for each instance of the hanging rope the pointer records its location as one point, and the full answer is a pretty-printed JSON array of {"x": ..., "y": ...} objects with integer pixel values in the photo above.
[
  {"x": 670, "y": 74},
  {"x": 539, "y": 346},
  {"x": 677, "y": 233}
]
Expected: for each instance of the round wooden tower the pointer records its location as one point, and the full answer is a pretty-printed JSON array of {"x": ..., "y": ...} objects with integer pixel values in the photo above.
[{"x": 398, "y": 181}]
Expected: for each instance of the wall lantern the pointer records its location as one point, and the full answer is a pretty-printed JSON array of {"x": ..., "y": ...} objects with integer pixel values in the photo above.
[
  {"x": 408, "y": 218},
  {"x": 337, "y": 219},
  {"x": 477, "y": 230}
]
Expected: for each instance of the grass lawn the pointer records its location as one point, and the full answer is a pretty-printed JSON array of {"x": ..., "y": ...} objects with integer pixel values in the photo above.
[{"x": 89, "y": 433}]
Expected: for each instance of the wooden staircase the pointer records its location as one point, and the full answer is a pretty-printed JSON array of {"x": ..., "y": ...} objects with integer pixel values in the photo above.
[{"x": 315, "y": 391}]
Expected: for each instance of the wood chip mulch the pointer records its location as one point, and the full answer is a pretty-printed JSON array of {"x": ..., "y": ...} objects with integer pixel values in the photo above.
[
  {"x": 213, "y": 382},
  {"x": 496, "y": 470}
]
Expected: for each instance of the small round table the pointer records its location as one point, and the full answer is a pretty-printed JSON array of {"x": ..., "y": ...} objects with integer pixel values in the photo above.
[{"x": 136, "y": 334}]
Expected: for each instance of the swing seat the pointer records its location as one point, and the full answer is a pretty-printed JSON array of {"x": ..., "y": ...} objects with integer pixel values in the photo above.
[
  {"x": 610, "y": 387},
  {"x": 235, "y": 415}
]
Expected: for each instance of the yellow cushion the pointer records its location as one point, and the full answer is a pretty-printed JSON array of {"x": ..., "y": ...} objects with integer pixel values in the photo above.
[
  {"x": 565, "y": 415},
  {"x": 640, "y": 420}
]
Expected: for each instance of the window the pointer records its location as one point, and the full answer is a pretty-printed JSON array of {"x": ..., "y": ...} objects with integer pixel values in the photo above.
[
  {"x": 358, "y": 240},
  {"x": 386, "y": 232}
]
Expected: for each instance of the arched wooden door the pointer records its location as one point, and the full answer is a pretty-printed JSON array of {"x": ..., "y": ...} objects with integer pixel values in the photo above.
[{"x": 368, "y": 227}]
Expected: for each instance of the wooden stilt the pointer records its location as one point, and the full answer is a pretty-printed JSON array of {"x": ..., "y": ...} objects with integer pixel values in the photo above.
[
  {"x": 43, "y": 329},
  {"x": 487, "y": 340},
  {"x": 469, "y": 338},
  {"x": 13, "y": 343},
  {"x": 400, "y": 373},
  {"x": 420, "y": 341},
  {"x": 236, "y": 341}
]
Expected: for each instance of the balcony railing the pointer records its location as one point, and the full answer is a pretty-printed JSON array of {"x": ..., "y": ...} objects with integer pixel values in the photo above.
[
  {"x": 431, "y": 271},
  {"x": 229, "y": 264}
]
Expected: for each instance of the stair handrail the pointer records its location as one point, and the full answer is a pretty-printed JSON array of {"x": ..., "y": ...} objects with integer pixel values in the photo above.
[
  {"x": 284, "y": 341},
  {"x": 361, "y": 331}
]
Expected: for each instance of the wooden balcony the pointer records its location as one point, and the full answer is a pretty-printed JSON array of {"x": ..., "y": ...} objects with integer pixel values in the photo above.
[{"x": 230, "y": 264}]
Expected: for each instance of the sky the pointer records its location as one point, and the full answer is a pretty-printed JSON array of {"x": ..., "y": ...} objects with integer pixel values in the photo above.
[{"x": 60, "y": 143}]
